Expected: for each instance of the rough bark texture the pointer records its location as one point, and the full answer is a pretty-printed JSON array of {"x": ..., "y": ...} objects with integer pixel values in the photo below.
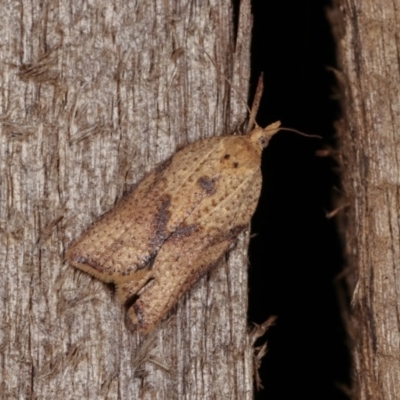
[
  {"x": 368, "y": 38},
  {"x": 92, "y": 96}
]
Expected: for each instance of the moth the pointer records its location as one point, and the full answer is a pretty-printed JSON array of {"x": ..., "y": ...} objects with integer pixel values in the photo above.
[{"x": 176, "y": 224}]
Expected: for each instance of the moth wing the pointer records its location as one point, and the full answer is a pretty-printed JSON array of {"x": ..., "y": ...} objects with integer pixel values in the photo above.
[
  {"x": 127, "y": 238},
  {"x": 176, "y": 224},
  {"x": 195, "y": 246},
  {"x": 173, "y": 278}
]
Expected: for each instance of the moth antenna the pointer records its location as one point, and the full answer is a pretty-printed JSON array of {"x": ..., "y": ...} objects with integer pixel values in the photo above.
[
  {"x": 233, "y": 86},
  {"x": 256, "y": 103},
  {"x": 282, "y": 128}
]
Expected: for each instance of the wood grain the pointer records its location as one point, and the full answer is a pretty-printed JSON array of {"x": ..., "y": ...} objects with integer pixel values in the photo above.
[
  {"x": 367, "y": 34},
  {"x": 93, "y": 96}
]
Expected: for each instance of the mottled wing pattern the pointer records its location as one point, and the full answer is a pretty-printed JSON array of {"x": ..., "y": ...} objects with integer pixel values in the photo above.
[
  {"x": 174, "y": 226},
  {"x": 127, "y": 238},
  {"x": 231, "y": 192}
]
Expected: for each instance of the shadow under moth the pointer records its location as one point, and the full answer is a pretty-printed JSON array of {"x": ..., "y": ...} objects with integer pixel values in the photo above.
[{"x": 176, "y": 224}]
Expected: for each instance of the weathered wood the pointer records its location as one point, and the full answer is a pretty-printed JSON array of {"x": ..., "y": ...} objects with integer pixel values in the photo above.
[
  {"x": 93, "y": 95},
  {"x": 367, "y": 34}
]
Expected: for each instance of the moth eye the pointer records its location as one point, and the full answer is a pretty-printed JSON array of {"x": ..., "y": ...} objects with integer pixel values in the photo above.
[{"x": 263, "y": 141}]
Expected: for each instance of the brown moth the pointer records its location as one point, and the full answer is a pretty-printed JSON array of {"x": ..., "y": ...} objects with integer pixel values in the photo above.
[{"x": 177, "y": 223}]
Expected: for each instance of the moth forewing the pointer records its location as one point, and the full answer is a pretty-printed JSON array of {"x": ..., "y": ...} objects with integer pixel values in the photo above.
[
  {"x": 196, "y": 247},
  {"x": 176, "y": 224}
]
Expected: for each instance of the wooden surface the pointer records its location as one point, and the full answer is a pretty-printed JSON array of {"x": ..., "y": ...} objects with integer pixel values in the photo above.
[
  {"x": 367, "y": 34},
  {"x": 92, "y": 96}
]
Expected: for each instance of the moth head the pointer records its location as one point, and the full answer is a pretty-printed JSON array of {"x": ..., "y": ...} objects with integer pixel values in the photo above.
[{"x": 260, "y": 136}]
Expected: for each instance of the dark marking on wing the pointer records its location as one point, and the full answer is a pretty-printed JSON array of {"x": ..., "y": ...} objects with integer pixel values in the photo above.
[
  {"x": 160, "y": 223},
  {"x": 208, "y": 184},
  {"x": 148, "y": 262},
  {"x": 184, "y": 231},
  {"x": 91, "y": 262}
]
